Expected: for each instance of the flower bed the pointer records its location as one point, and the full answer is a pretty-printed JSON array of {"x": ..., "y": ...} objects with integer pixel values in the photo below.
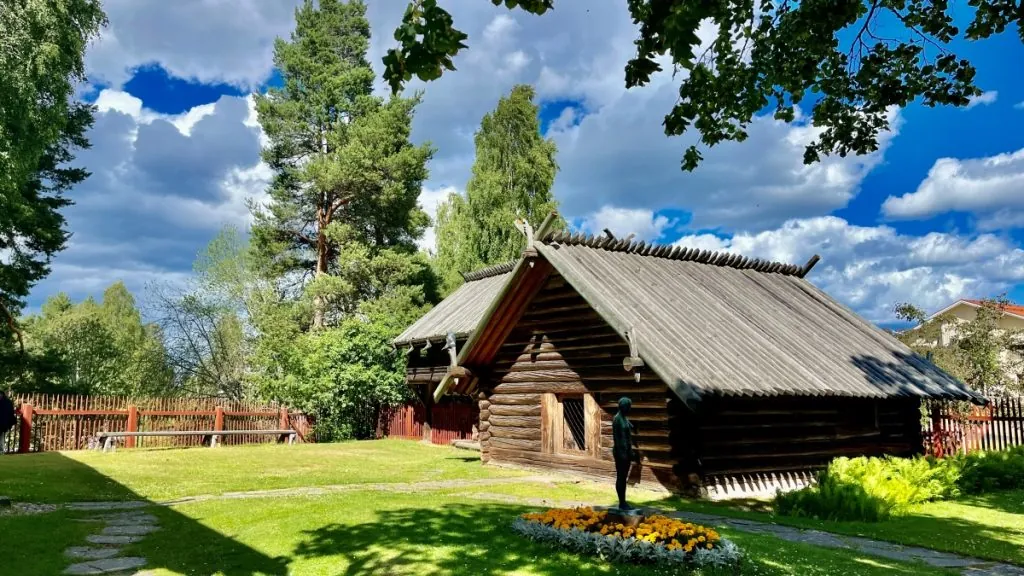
[{"x": 656, "y": 539}]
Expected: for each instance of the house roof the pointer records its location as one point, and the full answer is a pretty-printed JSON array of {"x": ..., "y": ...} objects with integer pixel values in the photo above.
[
  {"x": 718, "y": 323},
  {"x": 1013, "y": 309},
  {"x": 461, "y": 310}
]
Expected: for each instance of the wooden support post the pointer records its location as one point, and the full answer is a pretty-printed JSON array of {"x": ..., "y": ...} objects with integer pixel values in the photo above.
[
  {"x": 133, "y": 426},
  {"x": 25, "y": 440},
  {"x": 218, "y": 425},
  {"x": 938, "y": 441},
  {"x": 283, "y": 422},
  {"x": 428, "y": 414}
]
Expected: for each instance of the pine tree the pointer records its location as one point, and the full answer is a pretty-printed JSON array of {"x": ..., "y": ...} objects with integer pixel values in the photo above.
[
  {"x": 345, "y": 170},
  {"x": 512, "y": 177}
]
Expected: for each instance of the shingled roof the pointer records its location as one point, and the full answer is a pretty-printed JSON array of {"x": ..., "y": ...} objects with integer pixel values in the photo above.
[
  {"x": 461, "y": 311},
  {"x": 718, "y": 323}
]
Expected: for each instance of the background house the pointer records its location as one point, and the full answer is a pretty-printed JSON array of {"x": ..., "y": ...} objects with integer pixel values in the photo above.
[{"x": 994, "y": 324}]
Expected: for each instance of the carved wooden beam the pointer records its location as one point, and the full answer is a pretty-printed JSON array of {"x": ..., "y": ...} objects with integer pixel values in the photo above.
[{"x": 633, "y": 362}]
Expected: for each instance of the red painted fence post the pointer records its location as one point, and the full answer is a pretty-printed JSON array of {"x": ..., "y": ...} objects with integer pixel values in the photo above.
[
  {"x": 25, "y": 439},
  {"x": 133, "y": 426},
  {"x": 218, "y": 424}
]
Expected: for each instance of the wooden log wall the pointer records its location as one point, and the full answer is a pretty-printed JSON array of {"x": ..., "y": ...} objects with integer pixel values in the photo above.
[
  {"x": 561, "y": 346},
  {"x": 784, "y": 434}
]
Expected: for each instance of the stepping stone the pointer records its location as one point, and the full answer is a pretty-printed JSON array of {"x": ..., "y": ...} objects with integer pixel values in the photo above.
[
  {"x": 106, "y": 566},
  {"x": 113, "y": 540},
  {"x": 91, "y": 553},
  {"x": 135, "y": 530},
  {"x": 140, "y": 520},
  {"x": 116, "y": 516}
]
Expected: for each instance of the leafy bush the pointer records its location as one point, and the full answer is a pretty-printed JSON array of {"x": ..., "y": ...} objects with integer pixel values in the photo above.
[
  {"x": 986, "y": 471},
  {"x": 656, "y": 540},
  {"x": 872, "y": 489}
]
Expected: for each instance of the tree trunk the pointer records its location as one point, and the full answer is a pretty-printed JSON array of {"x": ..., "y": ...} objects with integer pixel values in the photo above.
[{"x": 319, "y": 305}]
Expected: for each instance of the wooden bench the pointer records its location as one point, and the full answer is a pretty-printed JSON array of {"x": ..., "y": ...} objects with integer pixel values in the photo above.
[{"x": 106, "y": 439}]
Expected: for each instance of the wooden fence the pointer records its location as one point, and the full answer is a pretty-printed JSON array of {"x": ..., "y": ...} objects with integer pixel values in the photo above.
[
  {"x": 951, "y": 429},
  {"x": 65, "y": 422},
  {"x": 449, "y": 421}
]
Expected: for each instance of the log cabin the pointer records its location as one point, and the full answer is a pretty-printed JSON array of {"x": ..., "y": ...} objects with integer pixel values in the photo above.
[
  {"x": 745, "y": 378},
  {"x": 427, "y": 357}
]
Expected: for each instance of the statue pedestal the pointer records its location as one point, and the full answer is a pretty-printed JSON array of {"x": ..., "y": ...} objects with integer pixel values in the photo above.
[{"x": 630, "y": 517}]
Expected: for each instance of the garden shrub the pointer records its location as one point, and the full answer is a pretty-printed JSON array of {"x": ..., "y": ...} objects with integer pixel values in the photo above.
[
  {"x": 871, "y": 489},
  {"x": 987, "y": 471},
  {"x": 874, "y": 489},
  {"x": 656, "y": 540}
]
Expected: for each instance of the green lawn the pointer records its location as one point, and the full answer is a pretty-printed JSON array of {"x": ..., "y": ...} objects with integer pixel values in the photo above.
[
  {"x": 165, "y": 474},
  {"x": 353, "y": 533}
]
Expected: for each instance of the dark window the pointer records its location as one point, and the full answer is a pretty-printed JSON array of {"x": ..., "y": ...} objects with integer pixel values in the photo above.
[{"x": 574, "y": 432}]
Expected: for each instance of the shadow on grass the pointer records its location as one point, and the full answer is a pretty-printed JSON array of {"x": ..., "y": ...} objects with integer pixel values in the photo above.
[
  {"x": 477, "y": 539},
  {"x": 1009, "y": 501},
  {"x": 54, "y": 478}
]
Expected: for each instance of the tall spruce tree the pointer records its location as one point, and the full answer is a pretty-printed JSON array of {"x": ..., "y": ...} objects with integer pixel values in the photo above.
[
  {"x": 512, "y": 177},
  {"x": 345, "y": 171}
]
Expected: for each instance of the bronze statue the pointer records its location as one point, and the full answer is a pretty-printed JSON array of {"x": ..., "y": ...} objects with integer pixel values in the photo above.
[{"x": 622, "y": 449}]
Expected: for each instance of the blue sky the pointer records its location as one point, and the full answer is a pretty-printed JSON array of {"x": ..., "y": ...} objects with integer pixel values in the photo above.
[{"x": 176, "y": 155}]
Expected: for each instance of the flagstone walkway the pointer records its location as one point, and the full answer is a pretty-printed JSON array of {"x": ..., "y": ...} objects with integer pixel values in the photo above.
[{"x": 123, "y": 523}]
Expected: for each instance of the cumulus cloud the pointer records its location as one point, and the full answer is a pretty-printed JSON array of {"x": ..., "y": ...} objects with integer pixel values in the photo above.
[
  {"x": 983, "y": 99},
  {"x": 991, "y": 188},
  {"x": 161, "y": 187},
  {"x": 620, "y": 152},
  {"x": 624, "y": 221},
  {"x": 872, "y": 268},
  {"x": 210, "y": 42}
]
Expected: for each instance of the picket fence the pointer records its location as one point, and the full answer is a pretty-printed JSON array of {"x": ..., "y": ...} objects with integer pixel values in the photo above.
[
  {"x": 997, "y": 426},
  {"x": 68, "y": 422}
]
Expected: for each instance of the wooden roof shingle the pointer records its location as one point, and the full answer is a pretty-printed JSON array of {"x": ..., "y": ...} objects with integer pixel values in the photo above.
[
  {"x": 461, "y": 310},
  {"x": 719, "y": 323}
]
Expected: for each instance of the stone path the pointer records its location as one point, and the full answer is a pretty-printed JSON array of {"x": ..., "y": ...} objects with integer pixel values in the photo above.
[{"x": 123, "y": 523}]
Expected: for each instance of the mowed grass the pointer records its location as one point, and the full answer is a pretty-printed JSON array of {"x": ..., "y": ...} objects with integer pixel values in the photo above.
[
  {"x": 990, "y": 526},
  {"x": 165, "y": 474},
  {"x": 424, "y": 534}
]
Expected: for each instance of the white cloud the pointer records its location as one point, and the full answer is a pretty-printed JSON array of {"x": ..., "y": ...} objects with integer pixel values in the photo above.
[
  {"x": 624, "y": 221},
  {"x": 619, "y": 154},
  {"x": 1019, "y": 105},
  {"x": 992, "y": 188},
  {"x": 161, "y": 187},
  {"x": 983, "y": 99},
  {"x": 872, "y": 268},
  {"x": 429, "y": 201},
  {"x": 229, "y": 42}
]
